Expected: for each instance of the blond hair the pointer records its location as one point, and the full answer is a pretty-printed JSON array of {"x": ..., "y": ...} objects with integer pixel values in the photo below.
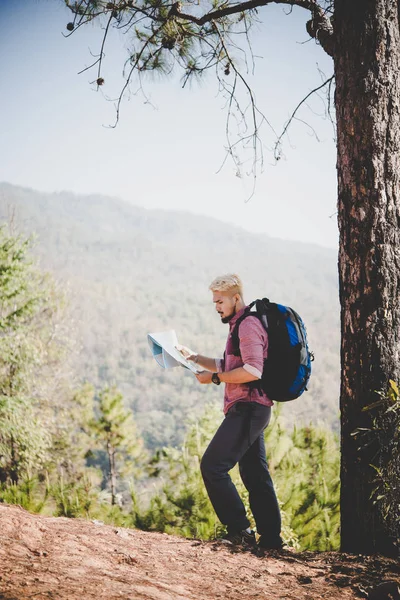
[{"x": 227, "y": 283}]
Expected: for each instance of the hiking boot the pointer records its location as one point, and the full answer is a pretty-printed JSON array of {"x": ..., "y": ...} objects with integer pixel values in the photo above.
[
  {"x": 241, "y": 538},
  {"x": 266, "y": 544}
]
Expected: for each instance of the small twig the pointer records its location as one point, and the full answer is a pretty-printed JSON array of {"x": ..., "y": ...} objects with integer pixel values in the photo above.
[
  {"x": 278, "y": 142},
  {"x": 127, "y": 82},
  {"x": 102, "y": 46},
  {"x": 254, "y": 135},
  {"x": 314, "y": 133}
]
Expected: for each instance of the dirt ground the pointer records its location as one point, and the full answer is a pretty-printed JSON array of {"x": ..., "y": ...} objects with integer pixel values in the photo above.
[{"x": 74, "y": 559}]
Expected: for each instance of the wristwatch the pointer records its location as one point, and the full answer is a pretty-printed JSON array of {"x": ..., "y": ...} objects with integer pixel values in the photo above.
[{"x": 215, "y": 379}]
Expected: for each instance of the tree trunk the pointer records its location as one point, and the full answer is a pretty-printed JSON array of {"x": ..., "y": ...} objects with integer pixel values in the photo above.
[
  {"x": 367, "y": 68},
  {"x": 14, "y": 462},
  {"x": 113, "y": 472}
]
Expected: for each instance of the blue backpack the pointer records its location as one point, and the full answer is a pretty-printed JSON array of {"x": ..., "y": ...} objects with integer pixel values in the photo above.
[{"x": 287, "y": 368}]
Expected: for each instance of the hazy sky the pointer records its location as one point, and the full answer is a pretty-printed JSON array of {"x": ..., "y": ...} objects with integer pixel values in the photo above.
[{"x": 54, "y": 133}]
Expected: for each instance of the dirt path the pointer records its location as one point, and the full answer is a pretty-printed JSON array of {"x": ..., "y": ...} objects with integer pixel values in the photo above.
[{"x": 73, "y": 559}]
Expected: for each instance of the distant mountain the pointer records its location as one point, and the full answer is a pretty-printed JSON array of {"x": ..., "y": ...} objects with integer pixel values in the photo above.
[{"x": 132, "y": 271}]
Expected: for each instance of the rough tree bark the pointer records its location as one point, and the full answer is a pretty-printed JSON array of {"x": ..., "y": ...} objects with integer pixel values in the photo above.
[{"x": 367, "y": 68}]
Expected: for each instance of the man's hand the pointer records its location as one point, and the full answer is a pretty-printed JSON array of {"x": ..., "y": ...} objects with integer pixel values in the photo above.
[
  {"x": 203, "y": 362},
  {"x": 186, "y": 352},
  {"x": 204, "y": 377}
]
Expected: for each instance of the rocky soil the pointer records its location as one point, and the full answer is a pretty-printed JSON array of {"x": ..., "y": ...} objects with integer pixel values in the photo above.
[{"x": 74, "y": 559}]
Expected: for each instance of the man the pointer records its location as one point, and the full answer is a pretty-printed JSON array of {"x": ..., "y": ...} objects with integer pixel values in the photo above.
[{"x": 240, "y": 437}]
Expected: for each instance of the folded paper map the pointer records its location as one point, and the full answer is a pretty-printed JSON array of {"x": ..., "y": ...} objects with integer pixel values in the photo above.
[{"x": 163, "y": 346}]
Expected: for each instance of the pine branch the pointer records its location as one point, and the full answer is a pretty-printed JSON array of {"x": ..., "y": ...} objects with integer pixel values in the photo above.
[{"x": 319, "y": 27}]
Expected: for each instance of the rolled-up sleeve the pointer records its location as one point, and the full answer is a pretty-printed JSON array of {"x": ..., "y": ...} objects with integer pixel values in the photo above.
[
  {"x": 252, "y": 370},
  {"x": 253, "y": 345},
  {"x": 219, "y": 365}
]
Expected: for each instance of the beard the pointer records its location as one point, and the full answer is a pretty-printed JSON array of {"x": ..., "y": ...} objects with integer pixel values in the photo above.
[{"x": 227, "y": 319}]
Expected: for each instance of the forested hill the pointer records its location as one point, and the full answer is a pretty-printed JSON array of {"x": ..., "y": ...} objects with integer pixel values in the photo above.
[{"x": 131, "y": 271}]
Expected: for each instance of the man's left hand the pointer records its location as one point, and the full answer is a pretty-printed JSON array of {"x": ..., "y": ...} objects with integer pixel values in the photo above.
[{"x": 204, "y": 377}]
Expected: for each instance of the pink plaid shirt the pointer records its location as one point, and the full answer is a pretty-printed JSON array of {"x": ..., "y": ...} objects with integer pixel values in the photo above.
[{"x": 253, "y": 349}]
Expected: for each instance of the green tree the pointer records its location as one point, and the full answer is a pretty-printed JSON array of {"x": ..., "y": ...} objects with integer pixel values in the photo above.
[
  {"x": 72, "y": 483},
  {"x": 115, "y": 430},
  {"x": 72, "y": 435},
  {"x": 305, "y": 468},
  {"x": 29, "y": 350},
  {"x": 363, "y": 39}
]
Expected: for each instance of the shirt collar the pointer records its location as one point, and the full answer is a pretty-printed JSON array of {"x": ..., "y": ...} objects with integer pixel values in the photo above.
[{"x": 236, "y": 317}]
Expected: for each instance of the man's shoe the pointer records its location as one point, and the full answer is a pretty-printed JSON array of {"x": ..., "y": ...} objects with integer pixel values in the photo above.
[
  {"x": 266, "y": 544},
  {"x": 241, "y": 538}
]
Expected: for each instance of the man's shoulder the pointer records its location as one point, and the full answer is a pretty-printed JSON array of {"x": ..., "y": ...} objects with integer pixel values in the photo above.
[{"x": 251, "y": 324}]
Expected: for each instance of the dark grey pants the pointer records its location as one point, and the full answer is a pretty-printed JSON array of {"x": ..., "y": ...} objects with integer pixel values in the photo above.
[{"x": 240, "y": 439}]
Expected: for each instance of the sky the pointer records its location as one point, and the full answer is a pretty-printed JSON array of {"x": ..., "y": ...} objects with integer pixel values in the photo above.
[{"x": 168, "y": 147}]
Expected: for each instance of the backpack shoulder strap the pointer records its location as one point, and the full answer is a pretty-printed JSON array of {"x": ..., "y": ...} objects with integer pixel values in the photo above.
[
  {"x": 247, "y": 313},
  {"x": 235, "y": 334}
]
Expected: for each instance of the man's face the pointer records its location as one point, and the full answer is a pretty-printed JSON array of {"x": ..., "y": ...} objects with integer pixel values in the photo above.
[{"x": 225, "y": 305}]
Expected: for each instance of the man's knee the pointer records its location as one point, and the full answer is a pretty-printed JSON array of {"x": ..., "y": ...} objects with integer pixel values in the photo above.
[
  {"x": 206, "y": 466},
  {"x": 211, "y": 469},
  {"x": 255, "y": 477}
]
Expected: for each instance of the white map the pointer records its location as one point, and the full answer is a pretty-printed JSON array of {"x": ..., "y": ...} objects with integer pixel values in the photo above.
[{"x": 163, "y": 347}]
